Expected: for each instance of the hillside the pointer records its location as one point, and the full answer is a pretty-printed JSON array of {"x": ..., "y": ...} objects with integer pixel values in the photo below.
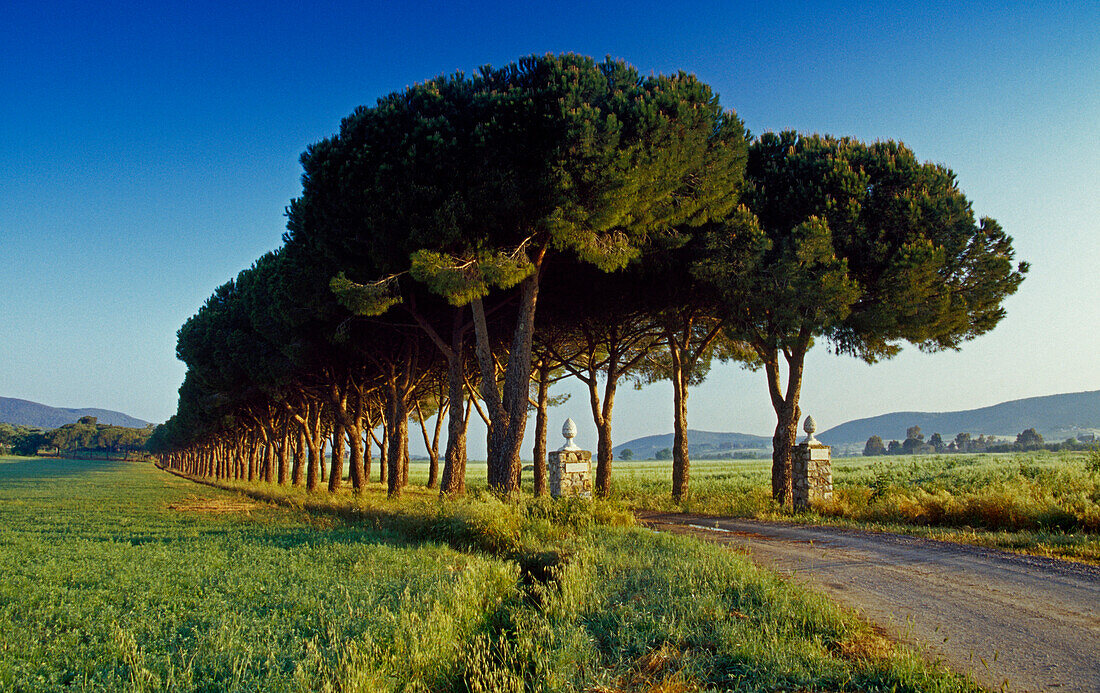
[
  {"x": 23, "y": 412},
  {"x": 1056, "y": 417},
  {"x": 701, "y": 444}
]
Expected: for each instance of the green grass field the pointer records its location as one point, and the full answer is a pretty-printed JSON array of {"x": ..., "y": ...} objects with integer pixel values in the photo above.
[{"x": 117, "y": 576}]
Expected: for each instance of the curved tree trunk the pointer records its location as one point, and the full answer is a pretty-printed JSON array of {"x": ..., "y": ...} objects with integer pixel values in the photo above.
[
  {"x": 508, "y": 409},
  {"x": 313, "y": 442},
  {"x": 787, "y": 413},
  {"x": 604, "y": 456}
]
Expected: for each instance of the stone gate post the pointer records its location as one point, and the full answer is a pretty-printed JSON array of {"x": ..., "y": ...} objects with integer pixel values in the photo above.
[
  {"x": 812, "y": 474},
  {"x": 570, "y": 467}
]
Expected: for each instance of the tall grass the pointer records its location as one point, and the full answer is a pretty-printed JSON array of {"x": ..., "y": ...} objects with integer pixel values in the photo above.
[{"x": 1043, "y": 502}]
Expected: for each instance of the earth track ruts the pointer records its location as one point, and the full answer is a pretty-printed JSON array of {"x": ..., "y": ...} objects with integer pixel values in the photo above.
[{"x": 1013, "y": 622}]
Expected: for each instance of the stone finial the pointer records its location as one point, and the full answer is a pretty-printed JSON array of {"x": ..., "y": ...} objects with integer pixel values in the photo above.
[
  {"x": 810, "y": 426},
  {"x": 569, "y": 430}
]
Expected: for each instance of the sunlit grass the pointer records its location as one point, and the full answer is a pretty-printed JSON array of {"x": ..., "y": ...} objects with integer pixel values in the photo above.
[
  {"x": 1040, "y": 502},
  {"x": 117, "y": 576}
]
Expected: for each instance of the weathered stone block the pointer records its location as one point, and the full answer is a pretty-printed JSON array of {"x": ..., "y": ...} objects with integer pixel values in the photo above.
[
  {"x": 570, "y": 473},
  {"x": 812, "y": 474}
]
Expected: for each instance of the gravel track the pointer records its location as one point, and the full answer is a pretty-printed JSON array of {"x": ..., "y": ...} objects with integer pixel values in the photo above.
[{"x": 1013, "y": 622}]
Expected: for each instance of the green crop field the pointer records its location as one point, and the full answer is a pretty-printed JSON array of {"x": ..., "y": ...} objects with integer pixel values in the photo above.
[{"x": 117, "y": 576}]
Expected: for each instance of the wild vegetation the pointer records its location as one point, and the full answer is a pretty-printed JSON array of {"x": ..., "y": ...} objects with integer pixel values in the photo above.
[
  {"x": 564, "y": 217},
  {"x": 114, "y": 575},
  {"x": 1041, "y": 502}
]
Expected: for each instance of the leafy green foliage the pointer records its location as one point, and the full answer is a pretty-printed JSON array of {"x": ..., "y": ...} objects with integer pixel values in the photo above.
[
  {"x": 1029, "y": 440},
  {"x": 873, "y": 447},
  {"x": 473, "y": 175},
  {"x": 462, "y": 281},
  {"x": 363, "y": 299}
]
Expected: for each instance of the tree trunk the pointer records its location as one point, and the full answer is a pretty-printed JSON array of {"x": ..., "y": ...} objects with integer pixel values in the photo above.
[
  {"x": 299, "y": 456},
  {"x": 787, "y": 413},
  {"x": 603, "y": 433},
  {"x": 284, "y": 456},
  {"x": 336, "y": 473},
  {"x": 431, "y": 444},
  {"x": 355, "y": 446},
  {"x": 267, "y": 463},
  {"x": 397, "y": 416},
  {"x": 252, "y": 454},
  {"x": 783, "y": 442},
  {"x": 454, "y": 459},
  {"x": 433, "y": 470},
  {"x": 509, "y": 417},
  {"x": 313, "y": 441},
  {"x": 384, "y": 453},
  {"x": 368, "y": 451},
  {"x": 538, "y": 456},
  {"x": 681, "y": 463}
]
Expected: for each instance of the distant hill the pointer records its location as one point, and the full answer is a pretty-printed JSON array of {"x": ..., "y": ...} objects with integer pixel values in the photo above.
[
  {"x": 1056, "y": 417},
  {"x": 22, "y": 412},
  {"x": 701, "y": 444}
]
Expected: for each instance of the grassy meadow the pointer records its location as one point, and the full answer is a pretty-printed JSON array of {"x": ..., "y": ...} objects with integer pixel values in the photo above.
[
  {"x": 117, "y": 576},
  {"x": 1044, "y": 503}
]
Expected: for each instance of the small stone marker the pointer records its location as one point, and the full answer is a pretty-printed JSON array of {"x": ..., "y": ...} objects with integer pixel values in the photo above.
[
  {"x": 570, "y": 467},
  {"x": 811, "y": 469}
]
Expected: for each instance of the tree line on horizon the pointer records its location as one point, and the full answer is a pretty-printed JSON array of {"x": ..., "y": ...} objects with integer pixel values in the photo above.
[
  {"x": 85, "y": 437},
  {"x": 465, "y": 243},
  {"x": 1027, "y": 440}
]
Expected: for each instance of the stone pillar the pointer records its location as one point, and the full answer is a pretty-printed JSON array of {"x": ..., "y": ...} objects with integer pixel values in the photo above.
[
  {"x": 570, "y": 473},
  {"x": 570, "y": 468},
  {"x": 812, "y": 474}
]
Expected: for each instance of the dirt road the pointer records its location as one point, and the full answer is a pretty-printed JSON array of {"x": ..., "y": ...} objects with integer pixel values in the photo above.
[{"x": 1018, "y": 622}]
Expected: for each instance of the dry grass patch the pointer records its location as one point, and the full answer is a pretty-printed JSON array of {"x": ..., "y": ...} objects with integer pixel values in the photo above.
[
  {"x": 870, "y": 645},
  {"x": 657, "y": 671}
]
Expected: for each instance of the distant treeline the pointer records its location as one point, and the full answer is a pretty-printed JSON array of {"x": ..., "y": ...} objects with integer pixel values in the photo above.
[
  {"x": 86, "y": 437},
  {"x": 915, "y": 444}
]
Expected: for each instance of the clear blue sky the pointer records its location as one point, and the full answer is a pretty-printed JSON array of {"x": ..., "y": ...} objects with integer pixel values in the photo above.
[{"x": 147, "y": 152}]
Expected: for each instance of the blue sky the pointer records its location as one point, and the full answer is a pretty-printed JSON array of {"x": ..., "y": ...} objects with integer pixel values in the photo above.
[{"x": 148, "y": 150}]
